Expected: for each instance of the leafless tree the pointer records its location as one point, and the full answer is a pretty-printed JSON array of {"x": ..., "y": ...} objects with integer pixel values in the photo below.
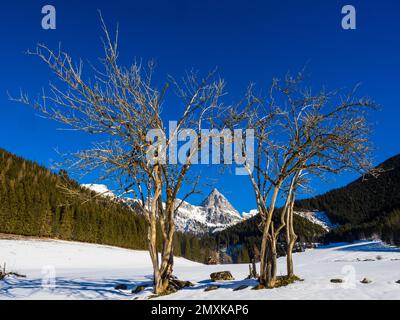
[
  {"x": 120, "y": 105},
  {"x": 297, "y": 132}
]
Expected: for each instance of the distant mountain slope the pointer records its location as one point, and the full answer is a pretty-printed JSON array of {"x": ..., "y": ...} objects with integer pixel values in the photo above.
[{"x": 364, "y": 208}]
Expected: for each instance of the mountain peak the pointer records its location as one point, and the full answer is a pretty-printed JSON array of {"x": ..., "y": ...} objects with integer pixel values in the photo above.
[
  {"x": 213, "y": 196},
  {"x": 219, "y": 209},
  {"x": 214, "y": 192}
]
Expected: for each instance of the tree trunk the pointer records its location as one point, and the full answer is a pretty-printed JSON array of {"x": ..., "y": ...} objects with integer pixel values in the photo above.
[
  {"x": 263, "y": 256},
  {"x": 289, "y": 258},
  {"x": 291, "y": 238},
  {"x": 162, "y": 278},
  {"x": 161, "y": 273},
  {"x": 271, "y": 260},
  {"x": 152, "y": 237},
  {"x": 268, "y": 253},
  {"x": 268, "y": 273}
]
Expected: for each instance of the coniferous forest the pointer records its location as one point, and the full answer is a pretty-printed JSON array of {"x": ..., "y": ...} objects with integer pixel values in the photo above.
[
  {"x": 367, "y": 208},
  {"x": 32, "y": 204}
]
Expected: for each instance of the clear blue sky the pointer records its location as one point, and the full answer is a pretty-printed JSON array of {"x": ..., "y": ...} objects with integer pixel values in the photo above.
[{"x": 247, "y": 40}]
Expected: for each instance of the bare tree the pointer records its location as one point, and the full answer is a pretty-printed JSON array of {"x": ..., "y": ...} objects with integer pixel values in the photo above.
[
  {"x": 298, "y": 132},
  {"x": 330, "y": 135},
  {"x": 120, "y": 105}
]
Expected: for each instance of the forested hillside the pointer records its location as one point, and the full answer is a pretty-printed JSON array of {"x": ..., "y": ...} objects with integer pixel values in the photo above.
[
  {"x": 365, "y": 208},
  {"x": 31, "y": 203}
]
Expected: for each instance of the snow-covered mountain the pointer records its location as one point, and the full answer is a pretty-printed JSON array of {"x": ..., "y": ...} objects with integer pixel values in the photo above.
[
  {"x": 214, "y": 214},
  {"x": 219, "y": 210}
]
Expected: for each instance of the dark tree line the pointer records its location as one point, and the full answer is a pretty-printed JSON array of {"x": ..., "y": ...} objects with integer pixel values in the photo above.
[
  {"x": 366, "y": 208},
  {"x": 386, "y": 228}
]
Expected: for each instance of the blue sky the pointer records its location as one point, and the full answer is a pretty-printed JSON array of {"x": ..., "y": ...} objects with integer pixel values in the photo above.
[{"x": 246, "y": 40}]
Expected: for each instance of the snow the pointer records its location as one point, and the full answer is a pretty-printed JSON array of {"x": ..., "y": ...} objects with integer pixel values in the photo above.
[
  {"x": 251, "y": 213},
  {"x": 317, "y": 217},
  {"x": 99, "y": 188},
  {"x": 90, "y": 271}
]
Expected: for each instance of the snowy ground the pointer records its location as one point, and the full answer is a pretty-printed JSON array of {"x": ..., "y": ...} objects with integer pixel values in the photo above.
[{"x": 71, "y": 270}]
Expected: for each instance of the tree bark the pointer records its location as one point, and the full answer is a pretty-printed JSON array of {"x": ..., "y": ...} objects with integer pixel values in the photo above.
[
  {"x": 161, "y": 272},
  {"x": 291, "y": 238},
  {"x": 271, "y": 260},
  {"x": 268, "y": 253}
]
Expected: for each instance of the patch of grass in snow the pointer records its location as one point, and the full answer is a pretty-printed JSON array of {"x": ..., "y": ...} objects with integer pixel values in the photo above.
[{"x": 283, "y": 281}]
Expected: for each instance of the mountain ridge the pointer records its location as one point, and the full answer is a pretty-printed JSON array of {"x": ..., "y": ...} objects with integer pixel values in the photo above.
[{"x": 215, "y": 212}]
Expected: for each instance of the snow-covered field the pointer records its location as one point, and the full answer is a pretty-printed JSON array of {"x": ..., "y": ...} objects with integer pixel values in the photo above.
[{"x": 71, "y": 270}]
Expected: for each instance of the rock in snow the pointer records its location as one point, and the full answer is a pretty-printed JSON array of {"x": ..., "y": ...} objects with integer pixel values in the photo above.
[
  {"x": 221, "y": 275},
  {"x": 121, "y": 287},
  {"x": 337, "y": 280},
  {"x": 365, "y": 281}
]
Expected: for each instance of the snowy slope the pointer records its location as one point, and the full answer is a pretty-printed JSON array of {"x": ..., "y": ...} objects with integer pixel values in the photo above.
[
  {"x": 89, "y": 271},
  {"x": 317, "y": 217},
  {"x": 251, "y": 213},
  {"x": 100, "y": 189}
]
